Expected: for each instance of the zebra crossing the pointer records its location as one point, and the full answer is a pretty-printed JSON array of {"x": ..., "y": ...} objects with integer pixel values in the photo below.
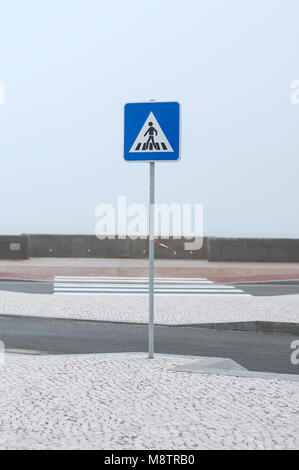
[
  {"x": 151, "y": 146},
  {"x": 139, "y": 286}
]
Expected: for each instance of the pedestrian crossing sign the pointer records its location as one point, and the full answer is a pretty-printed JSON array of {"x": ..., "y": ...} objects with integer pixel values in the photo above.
[{"x": 152, "y": 132}]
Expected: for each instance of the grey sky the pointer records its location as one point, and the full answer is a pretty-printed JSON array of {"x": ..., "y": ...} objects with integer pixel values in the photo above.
[{"x": 69, "y": 67}]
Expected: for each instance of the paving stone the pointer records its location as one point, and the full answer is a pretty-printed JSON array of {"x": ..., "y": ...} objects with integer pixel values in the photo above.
[
  {"x": 168, "y": 309},
  {"x": 115, "y": 401}
]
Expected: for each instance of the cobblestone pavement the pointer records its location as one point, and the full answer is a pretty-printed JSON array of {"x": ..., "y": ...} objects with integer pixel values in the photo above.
[
  {"x": 126, "y": 401},
  {"x": 168, "y": 309}
]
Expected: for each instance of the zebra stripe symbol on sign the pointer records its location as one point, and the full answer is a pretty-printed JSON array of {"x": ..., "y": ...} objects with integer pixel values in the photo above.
[{"x": 151, "y": 138}]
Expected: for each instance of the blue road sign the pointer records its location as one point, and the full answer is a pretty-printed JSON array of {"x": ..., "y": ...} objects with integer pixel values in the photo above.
[{"x": 152, "y": 132}]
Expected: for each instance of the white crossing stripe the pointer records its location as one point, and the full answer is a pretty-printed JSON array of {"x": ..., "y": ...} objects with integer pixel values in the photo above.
[{"x": 139, "y": 286}]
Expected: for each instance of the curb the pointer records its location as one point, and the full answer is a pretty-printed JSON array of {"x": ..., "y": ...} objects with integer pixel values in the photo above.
[
  {"x": 249, "y": 326},
  {"x": 246, "y": 326}
]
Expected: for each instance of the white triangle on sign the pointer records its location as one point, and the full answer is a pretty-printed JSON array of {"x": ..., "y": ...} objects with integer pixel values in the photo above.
[{"x": 151, "y": 138}]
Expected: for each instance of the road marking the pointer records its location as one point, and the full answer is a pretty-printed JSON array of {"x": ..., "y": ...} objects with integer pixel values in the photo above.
[{"x": 139, "y": 286}]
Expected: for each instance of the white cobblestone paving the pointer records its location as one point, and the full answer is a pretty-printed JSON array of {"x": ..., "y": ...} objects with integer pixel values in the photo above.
[
  {"x": 126, "y": 401},
  {"x": 168, "y": 309}
]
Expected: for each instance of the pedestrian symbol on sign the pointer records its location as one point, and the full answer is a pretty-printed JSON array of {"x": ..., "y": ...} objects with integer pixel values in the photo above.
[
  {"x": 151, "y": 132},
  {"x": 151, "y": 138}
]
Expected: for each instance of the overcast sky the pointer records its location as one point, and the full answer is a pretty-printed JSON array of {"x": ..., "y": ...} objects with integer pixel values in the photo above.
[{"x": 69, "y": 66}]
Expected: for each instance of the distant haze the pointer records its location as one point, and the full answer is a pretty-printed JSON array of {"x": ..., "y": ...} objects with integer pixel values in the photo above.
[{"x": 70, "y": 66}]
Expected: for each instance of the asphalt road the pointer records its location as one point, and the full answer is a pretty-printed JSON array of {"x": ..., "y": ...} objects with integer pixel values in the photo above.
[
  {"x": 255, "y": 289},
  {"x": 264, "y": 289},
  {"x": 29, "y": 287},
  {"x": 255, "y": 351}
]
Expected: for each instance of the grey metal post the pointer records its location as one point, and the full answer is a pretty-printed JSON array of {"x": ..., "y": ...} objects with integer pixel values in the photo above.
[{"x": 151, "y": 259}]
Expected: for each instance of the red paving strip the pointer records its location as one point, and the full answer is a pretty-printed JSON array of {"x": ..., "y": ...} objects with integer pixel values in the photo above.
[
  {"x": 256, "y": 278},
  {"x": 25, "y": 277},
  {"x": 135, "y": 272}
]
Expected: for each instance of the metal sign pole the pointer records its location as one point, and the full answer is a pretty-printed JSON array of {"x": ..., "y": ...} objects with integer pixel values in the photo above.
[{"x": 151, "y": 258}]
